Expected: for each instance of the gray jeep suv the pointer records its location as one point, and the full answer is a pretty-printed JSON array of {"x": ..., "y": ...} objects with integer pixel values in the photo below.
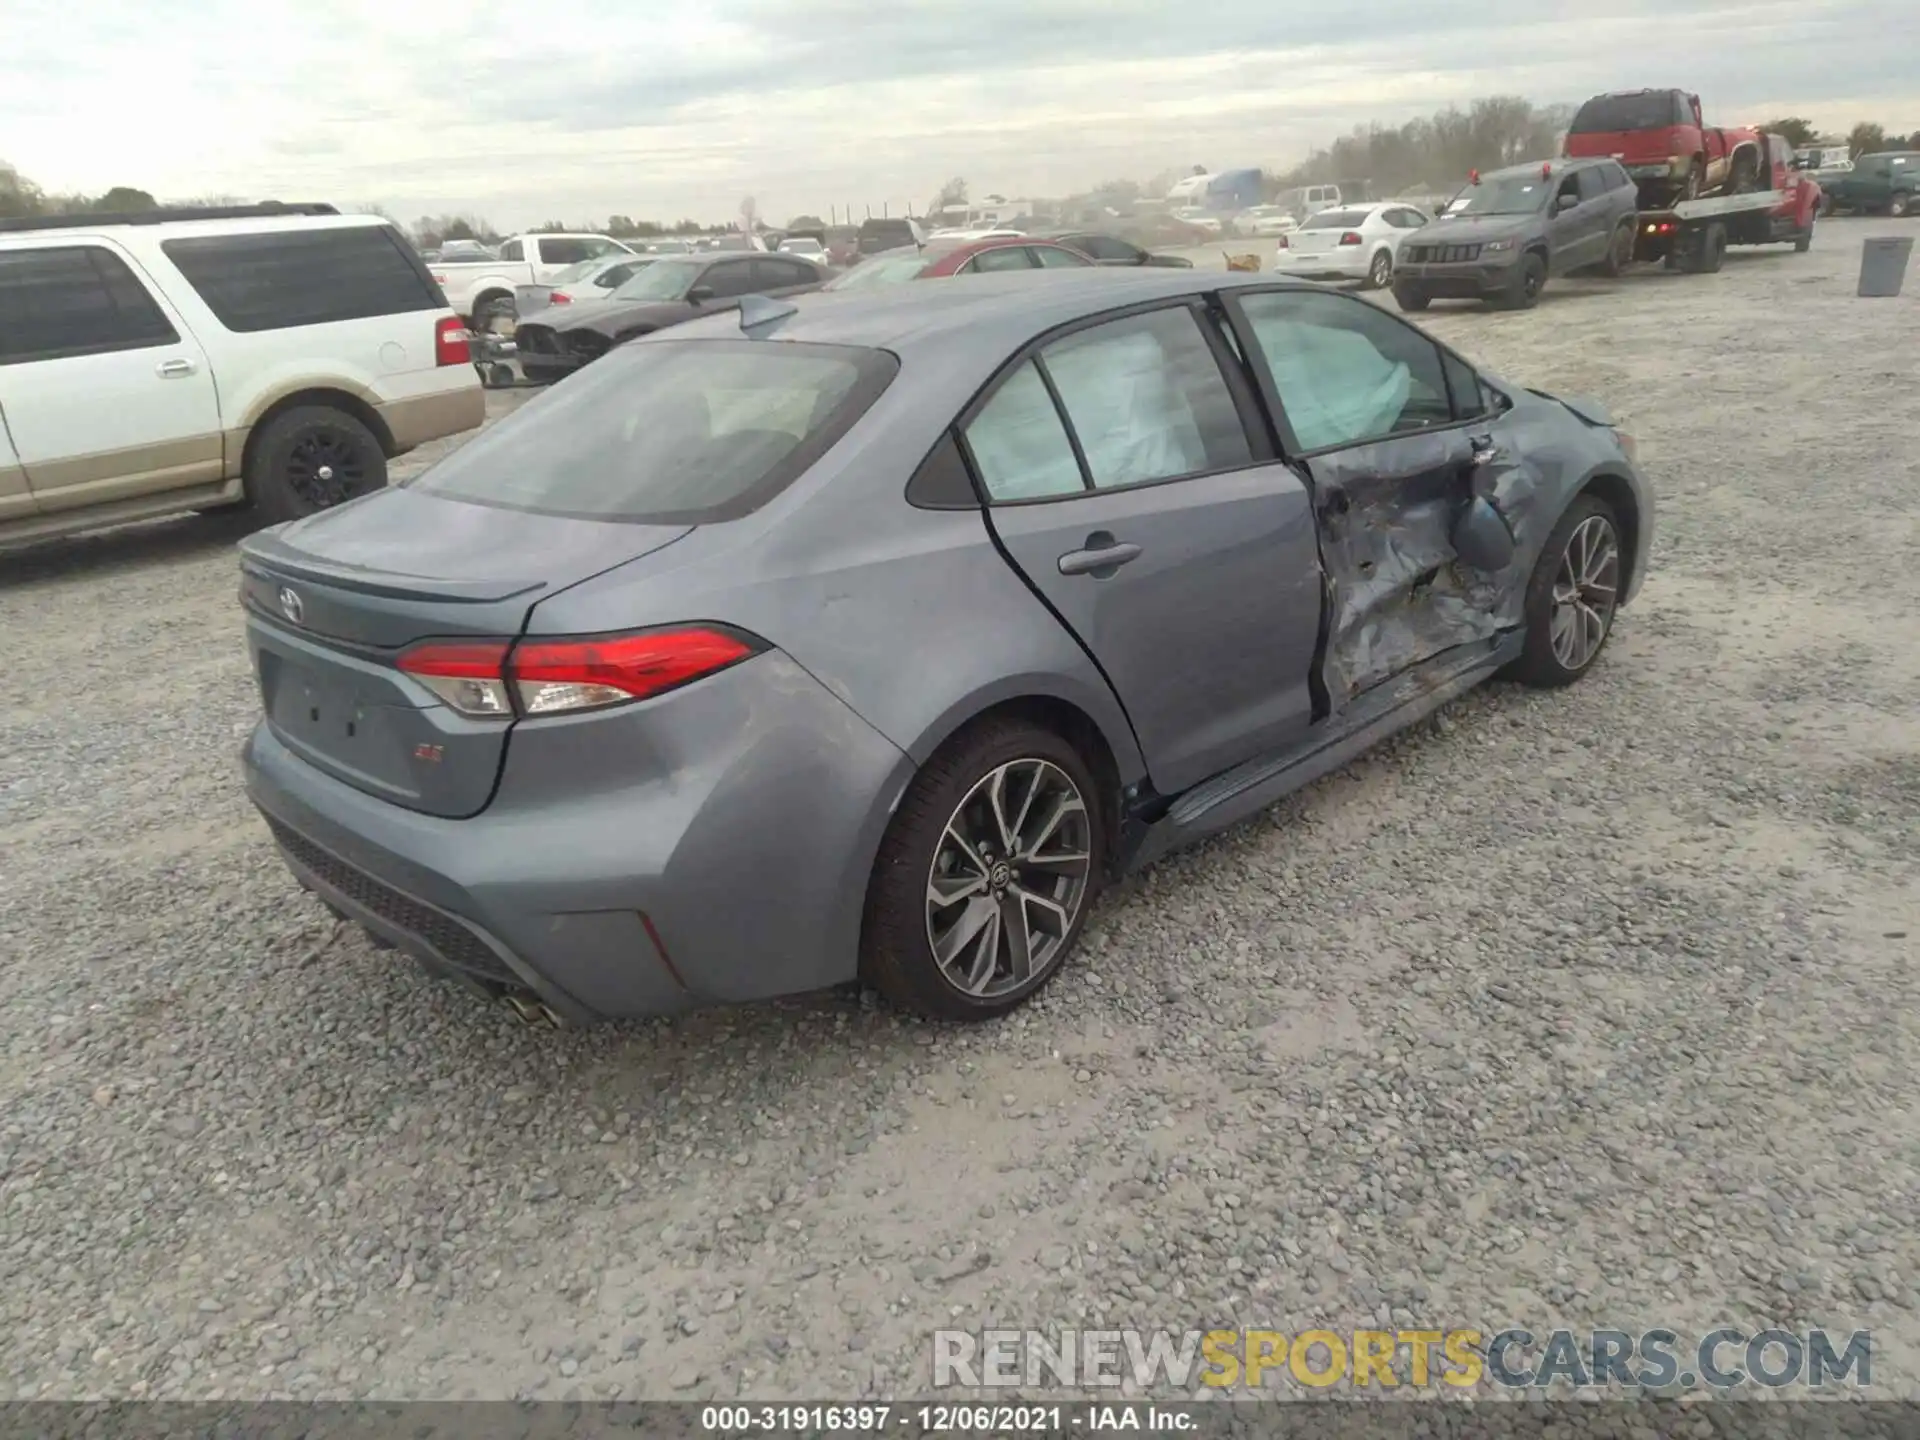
[{"x": 1507, "y": 232}]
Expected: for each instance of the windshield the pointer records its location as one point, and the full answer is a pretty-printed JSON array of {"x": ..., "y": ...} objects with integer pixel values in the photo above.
[
  {"x": 801, "y": 247},
  {"x": 665, "y": 279},
  {"x": 1508, "y": 195},
  {"x": 1335, "y": 220},
  {"x": 665, "y": 432},
  {"x": 893, "y": 269},
  {"x": 1609, "y": 113}
]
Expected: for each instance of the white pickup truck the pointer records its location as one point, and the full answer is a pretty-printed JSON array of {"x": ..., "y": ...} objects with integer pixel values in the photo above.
[{"x": 482, "y": 290}]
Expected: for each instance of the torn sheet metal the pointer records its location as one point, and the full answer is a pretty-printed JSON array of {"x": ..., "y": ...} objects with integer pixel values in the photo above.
[{"x": 1400, "y": 591}]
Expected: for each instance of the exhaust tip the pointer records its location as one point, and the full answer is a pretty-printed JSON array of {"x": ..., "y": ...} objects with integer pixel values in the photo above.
[{"x": 533, "y": 1012}]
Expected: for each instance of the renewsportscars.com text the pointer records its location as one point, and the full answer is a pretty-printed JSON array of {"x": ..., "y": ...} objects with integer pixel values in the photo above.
[{"x": 1459, "y": 1359}]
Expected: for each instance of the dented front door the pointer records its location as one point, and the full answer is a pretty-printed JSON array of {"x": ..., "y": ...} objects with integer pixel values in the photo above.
[
  {"x": 1387, "y": 428},
  {"x": 1399, "y": 593}
]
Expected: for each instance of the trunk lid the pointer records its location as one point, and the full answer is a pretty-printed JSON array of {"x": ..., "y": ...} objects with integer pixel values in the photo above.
[
  {"x": 1317, "y": 241},
  {"x": 334, "y": 599}
]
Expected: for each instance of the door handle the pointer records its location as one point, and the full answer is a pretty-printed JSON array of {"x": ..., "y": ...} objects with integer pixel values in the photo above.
[
  {"x": 1102, "y": 556},
  {"x": 174, "y": 369}
]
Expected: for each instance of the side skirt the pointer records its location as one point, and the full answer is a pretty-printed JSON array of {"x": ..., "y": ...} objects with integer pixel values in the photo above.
[{"x": 1246, "y": 790}]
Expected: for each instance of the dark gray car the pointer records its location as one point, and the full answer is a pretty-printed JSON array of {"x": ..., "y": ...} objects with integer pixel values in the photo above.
[
  {"x": 871, "y": 634},
  {"x": 1509, "y": 231},
  {"x": 670, "y": 290}
]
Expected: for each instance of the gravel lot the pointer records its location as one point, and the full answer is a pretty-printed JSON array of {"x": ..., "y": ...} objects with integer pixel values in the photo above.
[{"x": 1596, "y": 1008}]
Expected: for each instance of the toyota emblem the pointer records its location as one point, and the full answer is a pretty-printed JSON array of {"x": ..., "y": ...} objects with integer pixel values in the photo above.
[{"x": 291, "y": 604}]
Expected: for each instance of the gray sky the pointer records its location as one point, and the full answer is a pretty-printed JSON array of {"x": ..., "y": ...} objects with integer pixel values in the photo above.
[{"x": 570, "y": 109}]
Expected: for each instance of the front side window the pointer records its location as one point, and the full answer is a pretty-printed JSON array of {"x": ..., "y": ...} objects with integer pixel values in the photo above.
[
  {"x": 669, "y": 432},
  {"x": 74, "y": 300},
  {"x": 1346, "y": 372},
  {"x": 1592, "y": 183},
  {"x": 281, "y": 279}
]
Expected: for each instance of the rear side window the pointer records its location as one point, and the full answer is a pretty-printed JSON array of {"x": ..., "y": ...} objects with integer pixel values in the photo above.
[
  {"x": 280, "y": 280},
  {"x": 74, "y": 300},
  {"x": 1057, "y": 258},
  {"x": 1007, "y": 257},
  {"x": 1145, "y": 400},
  {"x": 669, "y": 432}
]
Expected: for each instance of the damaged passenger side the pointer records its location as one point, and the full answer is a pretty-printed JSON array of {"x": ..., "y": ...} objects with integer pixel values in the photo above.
[{"x": 1414, "y": 490}]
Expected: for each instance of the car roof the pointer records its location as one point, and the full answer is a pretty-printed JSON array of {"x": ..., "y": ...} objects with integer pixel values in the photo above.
[{"x": 999, "y": 312}]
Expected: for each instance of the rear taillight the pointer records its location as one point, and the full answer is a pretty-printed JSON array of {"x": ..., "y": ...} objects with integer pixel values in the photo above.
[
  {"x": 470, "y": 675},
  {"x": 495, "y": 679},
  {"x": 1352, "y": 237},
  {"x": 440, "y": 280},
  {"x": 451, "y": 342},
  {"x": 559, "y": 297}
]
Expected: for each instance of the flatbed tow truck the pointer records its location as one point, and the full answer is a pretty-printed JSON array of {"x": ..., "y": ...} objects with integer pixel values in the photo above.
[{"x": 1693, "y": 235}]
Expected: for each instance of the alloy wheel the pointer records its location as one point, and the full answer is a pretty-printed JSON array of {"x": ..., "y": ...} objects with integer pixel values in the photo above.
[
  {"x": 1584, "y": 592},
  {"x": 325, "y": 469},
  {"x": 1382, "y": 271},
  {"x": 1009, "y": 878}
]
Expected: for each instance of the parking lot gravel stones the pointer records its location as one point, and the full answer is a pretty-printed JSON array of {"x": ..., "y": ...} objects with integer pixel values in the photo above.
[{"x": 1587, "y": 1008}]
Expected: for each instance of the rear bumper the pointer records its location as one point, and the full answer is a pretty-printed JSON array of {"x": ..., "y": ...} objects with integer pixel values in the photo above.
[
  {"x": 1348, "y": 264},
  {"x": 711, "y": 845}
]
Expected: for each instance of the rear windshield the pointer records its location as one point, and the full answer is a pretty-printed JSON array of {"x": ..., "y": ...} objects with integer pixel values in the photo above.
[
  {"x": 1606, "y": 113},
  {"x": 279, "y": 279},
  {"x": 1335, "y": 220},
  {"x": 883, "y": 270},
  {"x": 669, "y": 432}
]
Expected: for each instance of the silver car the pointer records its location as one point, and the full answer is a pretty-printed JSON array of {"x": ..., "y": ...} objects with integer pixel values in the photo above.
[
  {"x": 589, "y": 280},
  {"x": 870, "y": 635}
]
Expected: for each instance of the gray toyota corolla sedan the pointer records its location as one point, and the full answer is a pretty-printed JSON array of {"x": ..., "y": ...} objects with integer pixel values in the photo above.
[{"x": 869, "y": 634}]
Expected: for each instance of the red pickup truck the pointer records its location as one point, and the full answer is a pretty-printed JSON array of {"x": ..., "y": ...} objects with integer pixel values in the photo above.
[{"x": 1670, "y": 151}]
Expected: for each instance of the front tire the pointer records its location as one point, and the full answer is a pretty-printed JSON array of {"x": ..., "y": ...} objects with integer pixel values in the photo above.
[
  {"x": 986, "y": 874},
  {"x": 309, "y": 459},
  {"x": 493, "y": 314},
  {"x": 1803, "y": 242},
  {"x": 1572, "y": 596},
  {"x": 1411, "y": 297},
  {"x": 1529, "y": 279}
]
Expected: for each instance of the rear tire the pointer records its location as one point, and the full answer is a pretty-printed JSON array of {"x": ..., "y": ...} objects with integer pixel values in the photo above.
[
  {"x": 1713, "y": 249},
  {"x": 1565, "y": 603},
  {"x": 945, "y": 837},
  {"x": 309, "y": 459},
  {"x": 1803, "y": 242},
  {"x": 1411, "y": 297},
  {"x": 1619, "y": 252},
  {"x": 1900, "y": 206},
  {"x": 1379, "y": 272}
]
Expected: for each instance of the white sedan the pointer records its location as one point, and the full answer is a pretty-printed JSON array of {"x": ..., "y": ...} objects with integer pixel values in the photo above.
[
  {"x": 1266, "y": 220},
  {"x": 1353, "y": 242}
]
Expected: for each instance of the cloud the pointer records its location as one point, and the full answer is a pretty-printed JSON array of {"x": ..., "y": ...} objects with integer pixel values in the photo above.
[{"x": 579, "y": 108}]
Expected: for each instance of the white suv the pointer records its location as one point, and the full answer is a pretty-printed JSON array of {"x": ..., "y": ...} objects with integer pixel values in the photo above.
[{"x": 195, "y": 359}]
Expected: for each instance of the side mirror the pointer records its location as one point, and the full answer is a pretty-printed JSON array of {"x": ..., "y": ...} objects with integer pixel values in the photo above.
[
  {"x": 1563, "y": 203},
  {"x": 699, "y": 294}
]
